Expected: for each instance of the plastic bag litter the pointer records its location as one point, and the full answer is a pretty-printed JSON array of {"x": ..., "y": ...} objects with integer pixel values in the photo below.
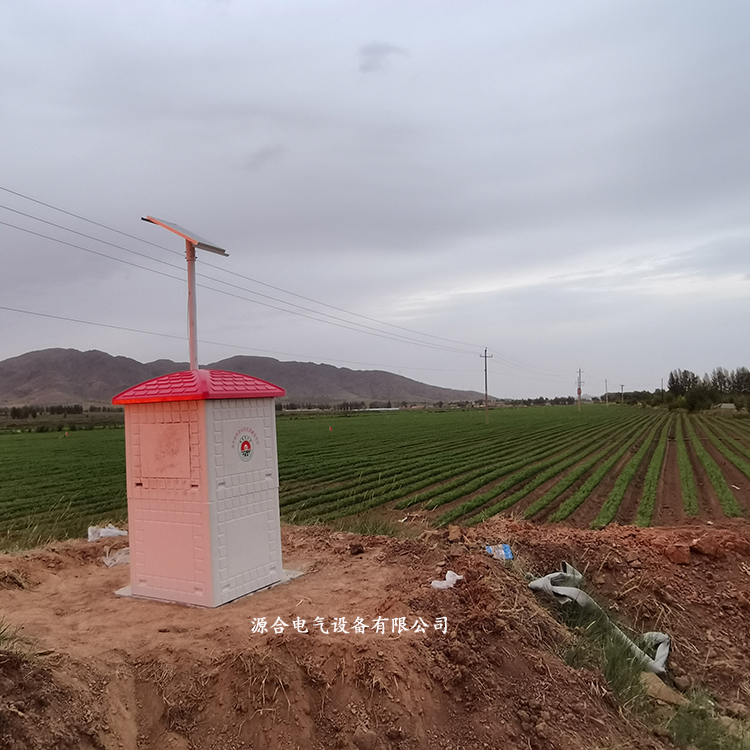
[
  {"x": 100, "y": 532},
  {"x": 121, "y": 557},
  {"x": 500, "y": 551},
  {"x": 449, "y": 582}
]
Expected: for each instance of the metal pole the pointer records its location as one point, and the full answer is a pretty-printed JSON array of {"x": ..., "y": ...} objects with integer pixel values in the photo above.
[
  {"x": 486, "y": 405},
  {"x": 192, "y": 324}
]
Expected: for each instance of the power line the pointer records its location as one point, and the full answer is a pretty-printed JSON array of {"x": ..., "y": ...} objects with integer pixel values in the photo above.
[
  {"x": 508, "y": 361},
  {"x": 511, "y": 362},
  {"x": 92, "y": 323},
  {"x": 89, "y": 250},
  {"x": 87, "y": 236},
  {"x": 216, "y": 343},
  {"x": 342, "y": 324},
  {"x": 224, "y": 270},
  {"x": 339, "y": 309},
  {"x": 83, "y": 218}
]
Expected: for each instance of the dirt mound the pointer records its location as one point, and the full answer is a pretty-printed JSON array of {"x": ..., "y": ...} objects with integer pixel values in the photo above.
[{"x": 118, "y": 673}]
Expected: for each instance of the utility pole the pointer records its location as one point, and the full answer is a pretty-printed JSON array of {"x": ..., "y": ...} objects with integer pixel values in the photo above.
[
  {"x": 606, "y": 393},
  {"x": 579, "y": 383},
  {"x": 662, "y": 391},
  {"x": 486, "y": 356},
  {"x": 622, "y": 393}
]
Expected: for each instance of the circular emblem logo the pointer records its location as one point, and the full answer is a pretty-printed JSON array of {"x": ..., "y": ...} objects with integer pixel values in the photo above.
[{"x": 245, "y": 446}]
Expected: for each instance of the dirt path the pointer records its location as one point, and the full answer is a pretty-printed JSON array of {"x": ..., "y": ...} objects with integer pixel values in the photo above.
[
  {"x": 709, "y": 507},
  {"x": 669, "y": 508},
  {"x": 628, "y": 510},
  {"x": 583, "y": 516},
  {"x": 124, "y": 674}
]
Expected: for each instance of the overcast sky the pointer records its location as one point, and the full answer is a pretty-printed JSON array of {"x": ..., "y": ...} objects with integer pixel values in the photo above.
[{"x": 565, "y": 183}]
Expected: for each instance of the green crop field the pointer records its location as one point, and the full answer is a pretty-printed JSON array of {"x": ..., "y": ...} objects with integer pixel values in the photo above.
[
  {"x": 53, "y": 486},
  {"x": 548, "y": 464}
]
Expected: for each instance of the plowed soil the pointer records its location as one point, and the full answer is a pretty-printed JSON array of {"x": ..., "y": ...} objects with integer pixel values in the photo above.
[{"x": 100, "y": 671}]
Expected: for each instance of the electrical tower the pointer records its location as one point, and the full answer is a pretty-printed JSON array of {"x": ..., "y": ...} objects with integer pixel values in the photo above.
[{"x": 486, "y": 356}]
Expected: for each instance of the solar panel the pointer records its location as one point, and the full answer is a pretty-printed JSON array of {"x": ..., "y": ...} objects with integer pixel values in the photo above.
[{"x": 199, "y": 242}]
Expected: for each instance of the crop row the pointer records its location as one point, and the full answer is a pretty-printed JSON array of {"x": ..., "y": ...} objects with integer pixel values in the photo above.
[
  {"x": 727, "y": 500},
  {"x": 581, "y": 494},
  {"x": 541, "y": 471},
  {"x": 444, "y": 461},
  {"x": 687, "y": 478},
  {"x": 651, "y": 483},
  {"x": 612, "y": 503},
  {"x": 447, "y": 476},
  {"x": 723, "y": 443},
  {"x": 449, "y": 466},
  {"x": 526, "y": 460}
]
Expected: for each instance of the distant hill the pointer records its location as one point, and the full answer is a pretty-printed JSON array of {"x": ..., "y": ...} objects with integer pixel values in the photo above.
[{"x": 68, "y": 376}]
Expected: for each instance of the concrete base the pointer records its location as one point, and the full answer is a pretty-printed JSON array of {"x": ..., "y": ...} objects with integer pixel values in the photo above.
[{"x": 286, "y": 576}]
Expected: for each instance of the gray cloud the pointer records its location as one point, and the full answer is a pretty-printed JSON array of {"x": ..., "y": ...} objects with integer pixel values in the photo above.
[
  {"x": 263, "y": 156},
  {"x": 376, "y": 56},
  {"x": 542, "y": 179}
]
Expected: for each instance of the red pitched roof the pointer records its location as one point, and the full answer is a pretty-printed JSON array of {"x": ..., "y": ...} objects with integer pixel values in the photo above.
[{"x": 198, "y": 385}]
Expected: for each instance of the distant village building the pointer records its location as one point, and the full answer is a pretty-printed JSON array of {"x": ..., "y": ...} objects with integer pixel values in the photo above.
[{"x": 728, "y": 407}]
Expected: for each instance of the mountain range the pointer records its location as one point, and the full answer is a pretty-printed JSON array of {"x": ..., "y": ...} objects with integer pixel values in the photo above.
[{"x": 69, "y": 376}]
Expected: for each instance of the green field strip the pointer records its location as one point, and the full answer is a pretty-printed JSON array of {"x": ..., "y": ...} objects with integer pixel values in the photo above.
[
  {"x": 310, "y": 463},
  {"x": 720, "y": 446},
  {"x": 727, "y": 500},
  {"x": 406, "y": 462},
  {"x": 319, "y": 465},
  {"x": 395, "y": 492},
  {"x": 739, "y": 426},
  {"x": 580, "y": 495},
  {"x": 565, "y": 483},
  {"x": 458, "y": 489},
  {"x": 61, "y": 485},
  {"x": 611, "y": 505},
  {"x": 353, "y": 504},
  {"x": 726, "y": 435},
  {"x": 45, "y": 475},
  {"x": 651, "y": 482},
  {"x": 685, "y": 469},
  {"x": 468, "y": 447},
  {"x": 23, "y": 506},
  {"x": 477, "y": 502},
  {"x": 461, "y": 488},
  {"x": 330, "y": 501},
  {"x": 61, "y": 516},
  {"x": 310, "y": 460},
  {"x": 581, "y": 470},
  {"x": 327, "y": 494},
  {"x": 538, "y": 481},
  {"x": 542, "y": 467},
  {"x": 545, "y": 476}
]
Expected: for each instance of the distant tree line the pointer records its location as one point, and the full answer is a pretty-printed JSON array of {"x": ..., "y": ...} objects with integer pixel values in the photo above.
[
  {"x": 557, "y": 401},
  {"x": 721, "y": 386},
  {"x": 33, "y": 411},
  {"x": 340, "y": 406},
  {"x": 687, "y": 390}
]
